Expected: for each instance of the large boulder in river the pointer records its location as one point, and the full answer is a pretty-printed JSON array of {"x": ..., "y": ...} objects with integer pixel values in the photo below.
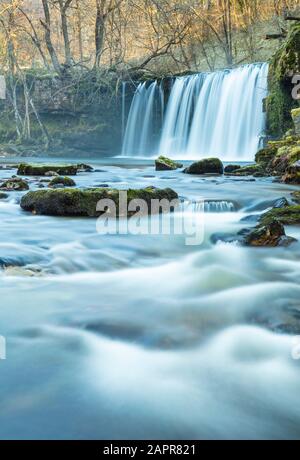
[
  {"x": 83, "y": 202},
  {"x": 206, "y": 166},
  {"x": 25, "y": 169},
  {"x": 15, "y": 184},
  {"x": 166, "y": 164}
]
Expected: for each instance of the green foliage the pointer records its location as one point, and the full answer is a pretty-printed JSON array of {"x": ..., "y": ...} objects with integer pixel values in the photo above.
[{"x": 284, "y": 64}]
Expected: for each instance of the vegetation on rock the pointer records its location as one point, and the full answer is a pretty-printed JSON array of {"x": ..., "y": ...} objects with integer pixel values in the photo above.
[
  {"x": 289, "y": 215},
  {"x": 206, "y": 166},
  {"x": 64, "y": 181},
  {"x": 25, "y": 169},
  {"x": 75, "y": 202},
  {"x": 284, "y": 65},
  {"x": 166, "y": 164}
]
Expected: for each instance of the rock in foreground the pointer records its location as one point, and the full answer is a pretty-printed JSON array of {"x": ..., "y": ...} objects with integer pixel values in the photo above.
[
  {"x": 166, "y": 164},
  {"x": 206, "y": 166},
  {"x": 25, "y": 169},
  {"x": 75, "y": 202}
]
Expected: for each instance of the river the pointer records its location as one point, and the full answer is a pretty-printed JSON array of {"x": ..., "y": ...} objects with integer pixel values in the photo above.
[{"x": 142, "y": 336}]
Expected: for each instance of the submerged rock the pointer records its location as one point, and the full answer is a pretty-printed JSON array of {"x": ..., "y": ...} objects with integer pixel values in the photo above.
[
  {"x": 15, "y": 184},
  {"x": 166, "y": 164},
  {"x": 75, "y": 202},
  {"x": 64, "y": 181},
  {"x": 25, "y": 169},
  {"x": 21, "y": 271},
  {"x": 206, "y": 166},
  {"x": 3, "y": 196}
]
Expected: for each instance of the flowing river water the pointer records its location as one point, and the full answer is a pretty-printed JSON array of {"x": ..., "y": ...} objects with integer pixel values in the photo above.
[{"x": 127, "y": 337}]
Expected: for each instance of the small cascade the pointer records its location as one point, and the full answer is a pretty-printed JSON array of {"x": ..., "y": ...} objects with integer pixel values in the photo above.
[
  {"x": 208, "y": 206},
  {"x": 219, "y": 206},
  {"x": 207, "y": 114}
]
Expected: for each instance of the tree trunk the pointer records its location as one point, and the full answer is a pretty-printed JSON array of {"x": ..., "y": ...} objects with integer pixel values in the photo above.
[
  {"x": 63, "y": 6},
  {"x": 99, "y": 30},
  {"x": 47, "y": 26}
]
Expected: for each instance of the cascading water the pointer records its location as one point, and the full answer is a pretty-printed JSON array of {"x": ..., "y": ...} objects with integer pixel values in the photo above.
[
  {"x": 144, "y": 115},
  {"x": 213, "y": 114}
]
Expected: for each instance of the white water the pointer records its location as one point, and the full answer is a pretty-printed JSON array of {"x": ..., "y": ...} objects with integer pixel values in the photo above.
[{"x": 215, "y": 114}]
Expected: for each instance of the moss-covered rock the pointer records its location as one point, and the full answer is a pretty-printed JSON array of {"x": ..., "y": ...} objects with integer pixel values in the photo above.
[
  {"x": 63, "y": 181},
  {"x": 25, "y": 169},
  {"x": 289, "y": 215},
  {"x": 251, "y": 170},
  {"x": 271, "y": 234},
  {"x": 75, "y": 202},
  {"x": 231, "y": 168},
  {"x": 265, "y": 156},
  {"x": 284, "y": 64},
  {"x": 15, "y": 184},
  {"x": 166, "y": 164},
  {"x": 3, "y": 196},
  {"x": 206, "y": 166}
]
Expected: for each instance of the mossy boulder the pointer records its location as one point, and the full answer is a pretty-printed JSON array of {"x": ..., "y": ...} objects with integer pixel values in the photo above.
[
  {"x": 271, "y": 234},
  {"x": 289, "y": 215},
  {"x": 25, "y": 169},
  {"x": 62, "y": 181},
  {"x": 166, "y": 164},
  {"x": 206, "y": 166},
  {"x": 284, "y": 64},
  {"x": 3, "y": 196},
  {"x": 76, "y": 202},
  {"x": 15, "y": 184}
]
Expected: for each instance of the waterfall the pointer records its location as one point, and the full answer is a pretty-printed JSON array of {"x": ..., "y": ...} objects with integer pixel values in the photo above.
[
  {"x": 144, "y": 115},
  {"x": 206, "y": 114},
  {"x": 123, "y": 107}
]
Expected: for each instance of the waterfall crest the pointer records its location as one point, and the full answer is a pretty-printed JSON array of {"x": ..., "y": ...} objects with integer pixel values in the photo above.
[{"x": 207, "y": 114}]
